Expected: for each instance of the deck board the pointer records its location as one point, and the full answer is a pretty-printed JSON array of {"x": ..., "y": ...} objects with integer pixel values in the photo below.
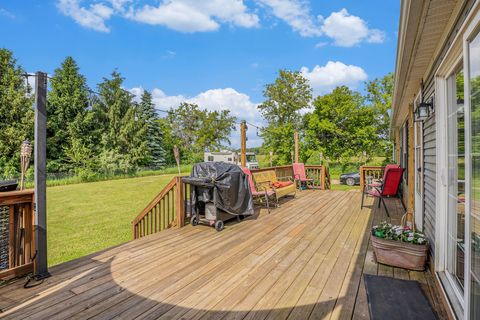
[{"x": 304, "y": 260}]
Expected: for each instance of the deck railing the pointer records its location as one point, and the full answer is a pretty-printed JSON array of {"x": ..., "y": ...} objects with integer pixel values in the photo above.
[
  {"x": 318, "y": 173},
  {"x": 168, "y": 209},
  {"x": 370, "y": 173},
  {"x": 17, "y": 247},
  {"x": 165, "y": 211}
]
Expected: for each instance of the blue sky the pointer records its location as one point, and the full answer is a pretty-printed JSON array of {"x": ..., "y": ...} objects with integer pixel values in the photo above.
[{"x": 217, "y": 53}]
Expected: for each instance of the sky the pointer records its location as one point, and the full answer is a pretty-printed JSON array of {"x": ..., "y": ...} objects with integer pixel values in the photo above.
[{"x": 216, "y": 53}]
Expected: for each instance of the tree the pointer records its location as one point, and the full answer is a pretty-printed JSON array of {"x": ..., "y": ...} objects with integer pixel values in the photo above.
[
  {"x": 153, "y": 134},
  {"x": 194, "y": 130},
  {"x": 379, "y": 96},
  {"x": 284, "y": 99},
  {"x": 341, "y": 126},
  {"x": 122, "y": 133},
  {"x": 16, "y": 113},
  {"x": 68, "y": 122}
]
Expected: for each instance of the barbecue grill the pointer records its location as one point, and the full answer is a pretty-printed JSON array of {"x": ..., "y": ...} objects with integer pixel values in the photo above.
[{"x": 219, "y": 192}]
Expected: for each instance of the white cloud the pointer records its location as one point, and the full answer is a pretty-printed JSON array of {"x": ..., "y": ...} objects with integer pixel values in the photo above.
[
  {"x": 295, "y": 13},
  {"x": 179, "y": 15},
  {"x": 239, "y": 104},
  {"x": 203, "y": 16},
  {"x": 195, "y": 16},
  {"x": 6, "y": 13},
  {"x": 321, "y": 44},
  {"x": 323, "y": 79},
  {"x": 92, "y": 17},
  {"x": 347, "y": 30}
]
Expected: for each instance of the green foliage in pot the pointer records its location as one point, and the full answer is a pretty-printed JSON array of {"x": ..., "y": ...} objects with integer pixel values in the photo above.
[{"x": 398, "y": 233}]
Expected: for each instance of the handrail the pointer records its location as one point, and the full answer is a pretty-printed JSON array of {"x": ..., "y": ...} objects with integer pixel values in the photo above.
[
  {"x": 16, "y": 233},
  {"x": 166, "y": 210},
  {"x": 370, "y": 173}
]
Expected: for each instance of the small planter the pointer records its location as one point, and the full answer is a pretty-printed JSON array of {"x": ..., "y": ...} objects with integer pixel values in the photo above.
[{"x": 400, "y": 254}]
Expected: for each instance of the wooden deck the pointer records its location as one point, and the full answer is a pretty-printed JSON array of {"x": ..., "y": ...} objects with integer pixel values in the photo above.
[{"x": 304, "y": 260}]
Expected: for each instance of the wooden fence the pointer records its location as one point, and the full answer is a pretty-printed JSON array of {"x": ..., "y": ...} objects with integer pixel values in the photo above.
[
  {"x": 370, "y": 173},
  {"x": 168, "y": 209},
  {"x": 17, "y": 242}
]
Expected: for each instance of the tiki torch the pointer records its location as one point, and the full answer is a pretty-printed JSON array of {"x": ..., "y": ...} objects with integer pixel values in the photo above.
[{"x": 25, "y": 155}]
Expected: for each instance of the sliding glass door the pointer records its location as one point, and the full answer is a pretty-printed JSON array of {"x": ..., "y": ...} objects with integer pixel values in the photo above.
[
  {"x": 455, "y": 255},
  {"x": 474, "y": 96}
]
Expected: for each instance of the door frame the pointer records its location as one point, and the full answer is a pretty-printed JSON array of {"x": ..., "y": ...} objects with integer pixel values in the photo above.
[
  {"x": 454, "y": 293},
  {"x": 419, "y": 165}
]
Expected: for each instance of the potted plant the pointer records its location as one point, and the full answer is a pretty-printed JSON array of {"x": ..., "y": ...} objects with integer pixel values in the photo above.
[{"x": 399, "y": 246}]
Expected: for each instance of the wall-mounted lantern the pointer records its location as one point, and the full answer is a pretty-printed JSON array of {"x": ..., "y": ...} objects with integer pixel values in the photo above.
[{"x": 423, "y": 111}]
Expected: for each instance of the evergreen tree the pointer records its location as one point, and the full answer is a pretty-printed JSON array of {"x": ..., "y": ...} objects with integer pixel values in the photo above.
[
  {"x": 123, "y": 146},
  {"x": 153, "y": 135},
  {"x": 16, "y": 113},
  {"x": 68, "y": 120}
]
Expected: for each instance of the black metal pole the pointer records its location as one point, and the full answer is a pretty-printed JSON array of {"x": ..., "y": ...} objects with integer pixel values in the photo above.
[{"x": 40, "y": 150}]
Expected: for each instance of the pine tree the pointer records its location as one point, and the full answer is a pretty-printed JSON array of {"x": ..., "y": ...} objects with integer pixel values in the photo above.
[
  {"x": 16, "y": 113},
  {"x": 67, "y": 127},
  {"x": 122, "y": 134},
  {"x": 153, "y": 136}
]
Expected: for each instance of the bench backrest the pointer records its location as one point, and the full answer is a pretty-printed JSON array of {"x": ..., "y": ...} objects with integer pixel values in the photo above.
[{"x": 265, "y": 176}]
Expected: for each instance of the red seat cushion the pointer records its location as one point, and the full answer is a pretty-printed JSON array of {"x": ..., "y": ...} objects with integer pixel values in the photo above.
[{"x": 281, "y": 184}]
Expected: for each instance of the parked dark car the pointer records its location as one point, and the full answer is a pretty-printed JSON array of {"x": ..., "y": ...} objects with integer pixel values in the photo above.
[{"x": 351, "y": 179}]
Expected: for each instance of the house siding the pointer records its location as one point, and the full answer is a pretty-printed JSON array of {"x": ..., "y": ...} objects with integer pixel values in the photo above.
[
  {"x": 429, "y": 139},
  {"x": 429, "y": 181}
]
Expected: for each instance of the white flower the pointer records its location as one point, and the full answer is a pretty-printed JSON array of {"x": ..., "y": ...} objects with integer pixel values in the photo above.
[
  {"x": 410, "y": 238},
  {"x": 421, "y": 240}
]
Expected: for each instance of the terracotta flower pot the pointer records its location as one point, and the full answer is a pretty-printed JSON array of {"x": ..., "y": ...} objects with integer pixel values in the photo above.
[{"x": 400, "y": 254}]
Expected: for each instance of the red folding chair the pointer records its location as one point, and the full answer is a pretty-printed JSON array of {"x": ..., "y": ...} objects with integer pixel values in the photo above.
[
  {"x": 300, "y": 176},
  {"x": 389, "y": 187},
  {"x": 379, "y": 183}
]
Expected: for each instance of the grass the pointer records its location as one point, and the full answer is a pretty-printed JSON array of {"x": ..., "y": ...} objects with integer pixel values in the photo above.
[
  {"x": 343, "y": 187},
  {"x": 88, "y": 217}
]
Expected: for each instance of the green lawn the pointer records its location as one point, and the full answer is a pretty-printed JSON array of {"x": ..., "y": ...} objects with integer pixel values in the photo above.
[{"x": 88, "y": 217}]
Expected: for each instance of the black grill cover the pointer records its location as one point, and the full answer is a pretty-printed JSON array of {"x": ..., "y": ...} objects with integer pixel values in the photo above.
[{"x": 224, "y": 184}]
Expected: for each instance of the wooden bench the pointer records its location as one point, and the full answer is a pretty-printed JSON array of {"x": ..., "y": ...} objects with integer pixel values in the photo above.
[{"x": 268, "y": 178}]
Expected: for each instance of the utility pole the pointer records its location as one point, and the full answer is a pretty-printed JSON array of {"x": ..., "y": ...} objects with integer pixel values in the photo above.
[
  {"x": 295, "y": 136},
  {"x": 243, "y": 143},
  {"x": 40, "y": 156}
]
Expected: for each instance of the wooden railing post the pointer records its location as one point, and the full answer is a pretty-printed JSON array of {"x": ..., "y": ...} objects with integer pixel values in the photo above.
[
  {"x": 180, "y": 203},
  {"x": 322, "y": 178},
  {"x": 362, "y": 178}
]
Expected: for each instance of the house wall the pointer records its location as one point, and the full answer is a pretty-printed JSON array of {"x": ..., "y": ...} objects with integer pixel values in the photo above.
[
  {"x": 429, "y": 172},
  {"x": 429, "y": 136}
]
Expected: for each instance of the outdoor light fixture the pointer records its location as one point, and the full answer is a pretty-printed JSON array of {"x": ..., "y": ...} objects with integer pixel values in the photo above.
[{"x": 423, "y": 110}]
